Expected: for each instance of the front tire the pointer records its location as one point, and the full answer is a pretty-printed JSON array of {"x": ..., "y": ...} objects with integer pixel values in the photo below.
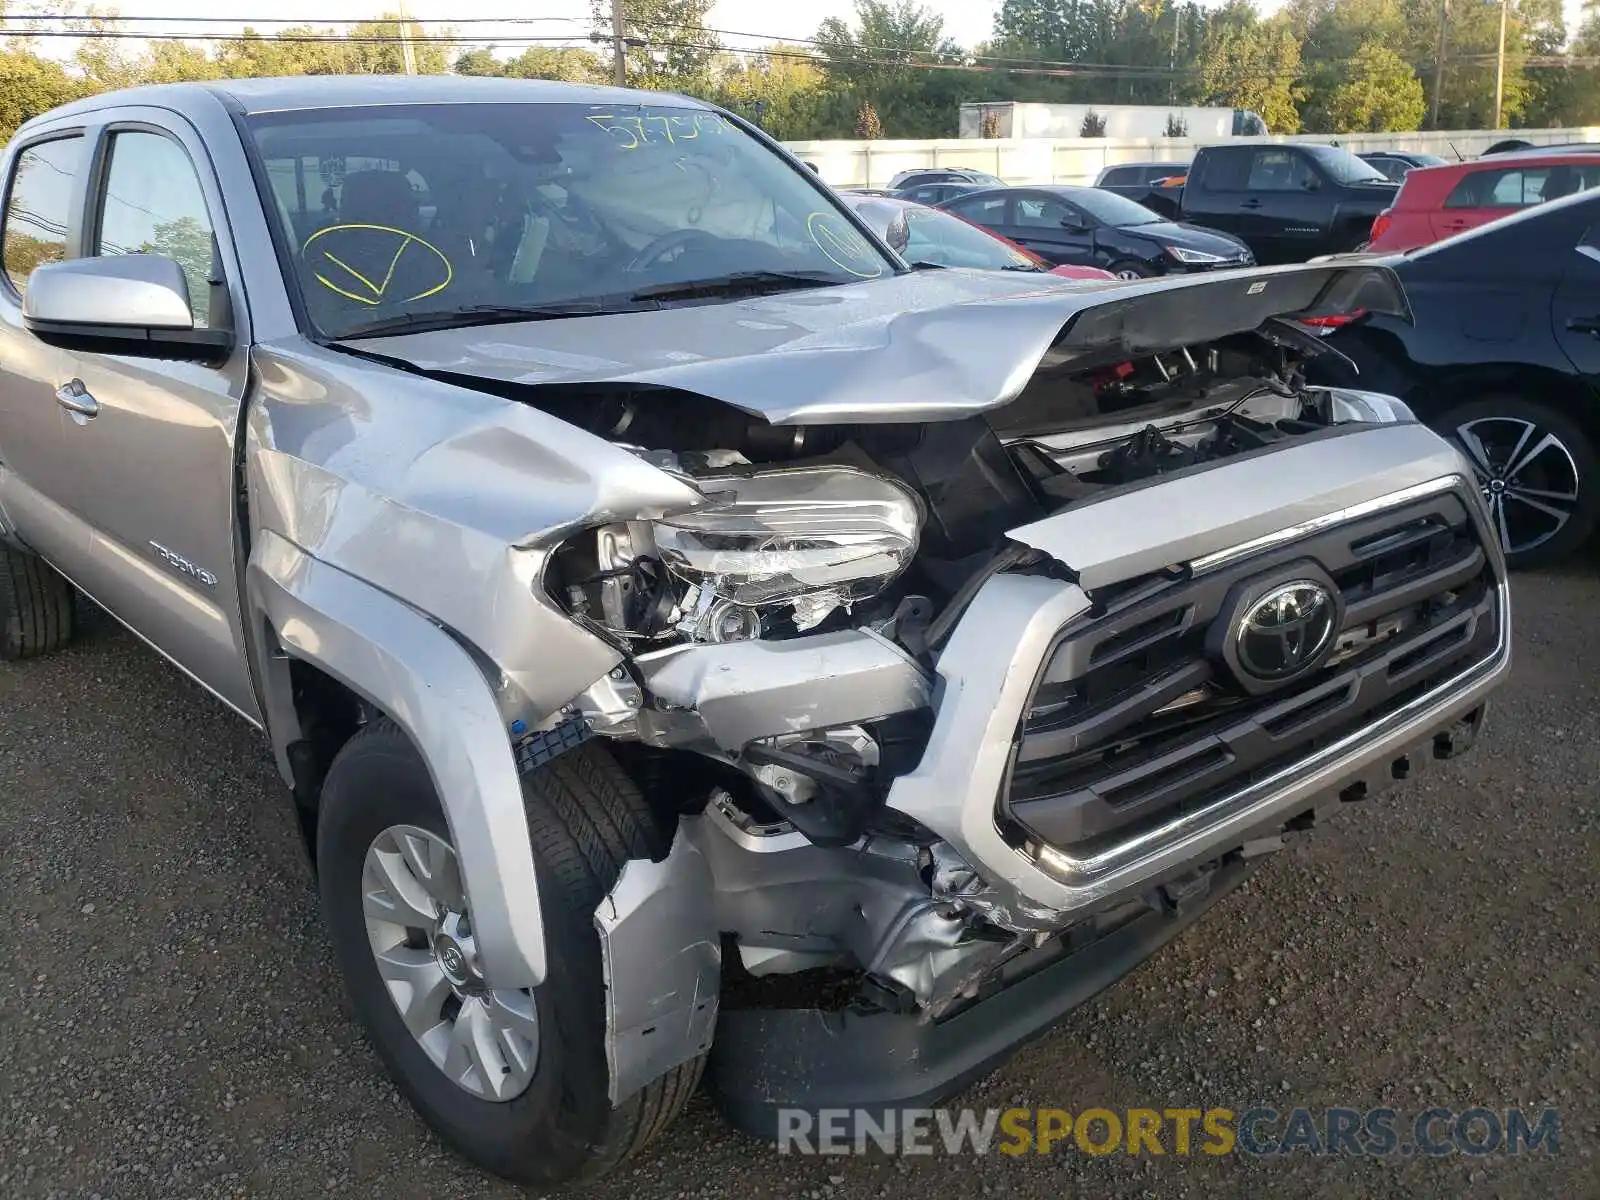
[
  {"x": 36, "y": 606},
  {"x": 1129, "y": 269},
  {"x": 521, "y": 1090},
  {"x": 1538, "y": 472}
]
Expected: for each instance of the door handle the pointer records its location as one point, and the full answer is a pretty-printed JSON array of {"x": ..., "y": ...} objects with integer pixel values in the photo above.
[
  {"x": 1249, "y": 204},
  {"x": 75, "y": 398},
  {"x": 1589, "y": 325}
]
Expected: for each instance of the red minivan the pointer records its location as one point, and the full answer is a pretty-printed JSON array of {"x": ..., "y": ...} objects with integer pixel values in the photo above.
[{"x": 1435, "y": 202}]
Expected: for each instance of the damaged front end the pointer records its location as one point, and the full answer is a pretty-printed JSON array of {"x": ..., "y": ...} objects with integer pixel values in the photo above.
[{"x": 938, "y": 689}]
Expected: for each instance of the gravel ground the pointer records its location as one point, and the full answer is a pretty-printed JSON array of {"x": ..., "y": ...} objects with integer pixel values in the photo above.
[{"x": 171, "y": 1024}]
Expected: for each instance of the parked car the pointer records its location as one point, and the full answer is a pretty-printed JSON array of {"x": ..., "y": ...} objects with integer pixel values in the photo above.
[
  {"x": 1502, "y": 354},
  {"x": 1396, "y": 164},
  {"x": 1087, "y": 226},
  {"x": 1437, "y": 202},
  {"x": 937, "y": 193},
  {"x": 1286, "y": 202},
  {"x": 642, "y": 580},
  {"x": 926, "y": 236},
  {"x": 1157, "y": 186},
  {"x": 921, "y": 175}
]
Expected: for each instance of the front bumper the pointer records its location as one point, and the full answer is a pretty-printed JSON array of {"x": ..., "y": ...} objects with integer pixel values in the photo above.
[{"x": 987, "y": 677}]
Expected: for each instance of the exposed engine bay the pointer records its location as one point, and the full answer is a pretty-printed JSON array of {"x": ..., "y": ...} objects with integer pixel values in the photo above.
[{"x": 883, "y": 526}]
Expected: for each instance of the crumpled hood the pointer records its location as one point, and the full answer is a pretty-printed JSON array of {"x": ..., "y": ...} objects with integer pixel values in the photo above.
[{"x": 928, "y": 345}]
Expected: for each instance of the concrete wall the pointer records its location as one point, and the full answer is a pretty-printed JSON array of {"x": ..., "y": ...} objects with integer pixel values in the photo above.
[{"x": 1079, "y": 160}]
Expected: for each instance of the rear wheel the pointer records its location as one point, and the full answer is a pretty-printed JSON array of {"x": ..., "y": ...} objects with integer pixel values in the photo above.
[
  {"x": 35, "y": 606},
  {"x": 1537, "y": 469},
  {"x": 514, "y": 1079}
]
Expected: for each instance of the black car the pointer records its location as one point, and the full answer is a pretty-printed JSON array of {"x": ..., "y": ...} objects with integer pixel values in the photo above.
[
  {"x": 1396, "y": 163},
  {"x": 1502, "y": 354},
  {"x": 1088, "y": 227}
]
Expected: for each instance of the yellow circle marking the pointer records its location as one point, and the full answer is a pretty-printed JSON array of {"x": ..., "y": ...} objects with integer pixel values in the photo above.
[
  {"x": 357, "y": 286},
  {"x": 845, "y": 248}
]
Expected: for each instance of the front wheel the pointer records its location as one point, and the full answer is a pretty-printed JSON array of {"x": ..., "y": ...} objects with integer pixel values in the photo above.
[
  {"x": 514, "y": 1079},
  {"x": 36, "y": 606},
  {"x": 1129, "y": 269},
  {"x": 1537, "y": 469}
]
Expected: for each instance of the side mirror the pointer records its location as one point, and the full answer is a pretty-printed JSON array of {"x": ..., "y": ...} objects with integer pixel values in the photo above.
[
  {"x": 1312, "y": 183},
  {"x": 1072, "y": 226},
  {"x": 120, "y": 304}
]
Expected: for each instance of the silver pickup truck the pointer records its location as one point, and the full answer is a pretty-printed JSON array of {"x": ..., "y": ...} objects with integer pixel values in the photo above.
[{"x": 696, "y": 642}]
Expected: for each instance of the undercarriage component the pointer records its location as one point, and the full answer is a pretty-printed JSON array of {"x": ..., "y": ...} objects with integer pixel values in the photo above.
[{"x": 662, "y": 964}]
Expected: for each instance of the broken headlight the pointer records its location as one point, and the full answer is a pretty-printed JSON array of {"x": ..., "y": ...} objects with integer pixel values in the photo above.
[{"x": 812, "y": 538}]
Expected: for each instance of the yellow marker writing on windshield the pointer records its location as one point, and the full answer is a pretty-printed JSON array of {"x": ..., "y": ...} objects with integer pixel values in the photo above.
[{"x": 363, "y": 289}]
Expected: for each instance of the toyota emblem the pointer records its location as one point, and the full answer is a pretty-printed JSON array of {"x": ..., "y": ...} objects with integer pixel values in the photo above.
[{"x": 1285, "y": 632}]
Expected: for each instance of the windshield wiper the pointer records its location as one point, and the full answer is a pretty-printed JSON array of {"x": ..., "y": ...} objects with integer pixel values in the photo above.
[
  {"x": 740, "y": 283},
  {"x": 482, "y": 314}
]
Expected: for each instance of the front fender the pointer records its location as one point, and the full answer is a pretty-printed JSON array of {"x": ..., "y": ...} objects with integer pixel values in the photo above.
[{"x": 428, "y": 683}]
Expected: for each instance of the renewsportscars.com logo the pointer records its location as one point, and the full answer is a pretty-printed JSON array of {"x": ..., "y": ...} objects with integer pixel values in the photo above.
[{"x": 1258, "y": 1132}]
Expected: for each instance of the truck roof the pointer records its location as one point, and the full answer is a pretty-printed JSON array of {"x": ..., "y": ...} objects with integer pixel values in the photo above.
[{"x": 289, "y": 93}]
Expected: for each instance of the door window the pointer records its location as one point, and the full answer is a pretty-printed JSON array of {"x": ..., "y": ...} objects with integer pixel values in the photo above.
[
  {"x": 1521, "y": 187},
  {"x": 38, "y": 206},
  {"x": 153, "y": 204},
  {"x": 1223, "y": 170},
  {"x": 1045, "y": 212},
  {"x": 989, "y": 210},
  {"x": 1279, "y": 171}
]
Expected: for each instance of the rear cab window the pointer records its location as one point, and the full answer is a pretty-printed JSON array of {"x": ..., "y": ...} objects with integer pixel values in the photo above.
[
  {"x": 1222, "y": 170},
  {"x": 38, "y": 207}
]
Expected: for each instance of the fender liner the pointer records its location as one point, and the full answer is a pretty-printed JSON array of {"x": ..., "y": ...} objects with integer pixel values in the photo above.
[{"x": 429, "y": 684}]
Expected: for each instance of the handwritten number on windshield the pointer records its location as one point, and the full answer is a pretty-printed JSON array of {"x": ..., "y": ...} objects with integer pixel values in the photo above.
[{"x": 630, "y": 131}]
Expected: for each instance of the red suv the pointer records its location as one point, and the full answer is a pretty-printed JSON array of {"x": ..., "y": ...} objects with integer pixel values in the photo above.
[{"x": 1435, "y": 202}]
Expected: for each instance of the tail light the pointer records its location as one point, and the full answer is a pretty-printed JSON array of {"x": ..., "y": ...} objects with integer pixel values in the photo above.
[
  {"x": 1380, "y": 225},
  {"x": 1333, "y": 320}
]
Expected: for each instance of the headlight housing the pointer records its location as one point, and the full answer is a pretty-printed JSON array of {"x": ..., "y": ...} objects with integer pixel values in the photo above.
[
  {"x": 816, "y": 538},
  {"x": 1195, "y": 257}
]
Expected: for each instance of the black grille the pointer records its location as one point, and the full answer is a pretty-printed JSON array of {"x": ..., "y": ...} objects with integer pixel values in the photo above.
[{"x": 1136, "y": 718}]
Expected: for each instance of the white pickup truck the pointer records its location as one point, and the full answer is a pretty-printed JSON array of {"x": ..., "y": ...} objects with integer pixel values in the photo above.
[{"x": 650, "y": 585}]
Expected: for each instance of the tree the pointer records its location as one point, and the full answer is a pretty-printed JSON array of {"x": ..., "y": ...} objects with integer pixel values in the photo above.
[
  {"x": 1160, "y": 40},
  {"x": 1177, "y": 127},
  {"x": 891, "y": 59},
  {"x": 1381, "y": 93},
  {"x": 1253, "y": 64},
  {"x": 29, "y": 85},
  {"x": 669, "y": 47},
  {"x": 570, "y": 64},
  {"x": 989, "y": 124},
  {"x": 868, "y": 127},
  {"x": 1094, "y": 125},
  {"x": 782, "y": 90}
]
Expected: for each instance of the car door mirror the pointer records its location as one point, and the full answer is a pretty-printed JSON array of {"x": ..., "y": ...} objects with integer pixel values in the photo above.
[
  {"x": 119, "y": 304},
  {"x": 1311, "y": 183},
  {"x": 1073, "y": 225}
]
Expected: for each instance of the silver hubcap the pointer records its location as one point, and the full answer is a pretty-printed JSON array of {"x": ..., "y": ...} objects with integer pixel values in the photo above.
[
  {"x": 1528, "y": 477},
  {"x": 1129, "y": 273},
  {"x": 485, "y": 1040}
]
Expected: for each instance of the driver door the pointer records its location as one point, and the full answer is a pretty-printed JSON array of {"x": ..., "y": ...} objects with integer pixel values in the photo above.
[
  {"x": 154, "y": 457},
  {"x": 1053, "y": 229}
]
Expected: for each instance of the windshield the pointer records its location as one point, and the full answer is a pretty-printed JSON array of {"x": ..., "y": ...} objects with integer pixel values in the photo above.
[
  {"x": 927, "y": 235},
  {"x": 1343, "y": 167},
  {"x": 424, "y": 210},
  {"x": 1112, "y": 209}
]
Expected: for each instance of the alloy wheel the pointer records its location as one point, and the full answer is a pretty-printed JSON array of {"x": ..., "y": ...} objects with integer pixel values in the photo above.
[
  {"x": 1528, "y": 476},
  {"x": 485, "y": 1040},
  {"x": 1130, "y": 273}
]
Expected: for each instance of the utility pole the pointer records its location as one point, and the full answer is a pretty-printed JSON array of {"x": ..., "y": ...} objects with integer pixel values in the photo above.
[
  {"x": 1438, "y": 58},
  {"x": 407, "y": 52},
  {"x": 1500, "y": 65},
  {"x": 619, "y": 65}
]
